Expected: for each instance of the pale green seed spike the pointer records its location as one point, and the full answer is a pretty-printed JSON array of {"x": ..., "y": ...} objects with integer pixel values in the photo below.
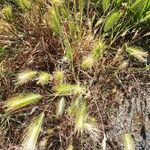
[
  {"x": 92, "y": 130},
  {"x": 112, "y": 20},
  {"x": 25, "y": 76},
  {"x": 60, "y": 107},
  {"x": 7, "y": 12},
  {"x": 137, "y": 53},
  {"x": 24, "y": 4},
  {"x": 74, "y": 107},
  {"x": 98, "y": 49},
  {"x": 124, "y": 64},
  {"x": 87, "y": 62},
  {"x": 105, "y": 5},
  {"x": 58, "y": 76},
  {"x": 68, "y": 89},
  {"x": 53, "y": 20},
  {"x": 21, "y": 101},
  {"x": 128, "y": 142},
  {"x": 44, "y": 78},
  {"x": 33, "y": 131},
  {"x": 81, "y": 118}
]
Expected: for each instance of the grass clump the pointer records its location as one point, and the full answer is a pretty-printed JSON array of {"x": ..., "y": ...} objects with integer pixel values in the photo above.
[{"x": 75, "y": 56}]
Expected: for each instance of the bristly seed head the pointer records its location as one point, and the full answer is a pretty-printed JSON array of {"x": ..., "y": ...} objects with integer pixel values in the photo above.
[
  {"x": 60, "y": 107},
  {"x": 32, "y": 134},
  {"x": 128, "y": 142},
  {"x": 87, "y": 62},
  {"x": 68, "y": 89},
  {"x": 24, "y": 4},
  {"x": 25, "y": 76},
  {"x": 7, "y": 12},
  {"x": 137, "y": 53},
  {"x": 21, "y": 101},
  {"x": 44, "y": 78},
  {"x": 58, "y": 76},
  {"x": 98, "y": 49}
]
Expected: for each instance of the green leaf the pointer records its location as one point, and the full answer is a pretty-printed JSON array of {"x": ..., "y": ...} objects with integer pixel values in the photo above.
[{"x": 138, "y": 8}]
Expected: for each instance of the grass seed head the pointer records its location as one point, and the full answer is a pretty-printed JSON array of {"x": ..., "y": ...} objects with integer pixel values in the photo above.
[
  {"x": 7, "y": 12},
  {"x": 112, "y": 20},
  {"x": 137, "y": 53},
  {"x": 60, "y": 107},
  {"x": 85, "y": 123},
  {"x": 53, "y": 20},
  {"x": 33, "y": 131},
  {"x": 123, "y": 65},
  {"x": 25, "y": 76},
  {"x": 81, "y": 118},
  {"x": 44, "y": 78},
  {"x": 92, "y": 130},
  {"x": 87, "y": 62},
  {"x": 58, "y": 76},
  {"x": 21, "y": 100},
  {"x": 68, "y": 89},
  {"x": 24, "y": 4},
  {"x": 98, "y": 49},
  {"x": 128, "y": 142},
  {"x": 74, "y": 107}
]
